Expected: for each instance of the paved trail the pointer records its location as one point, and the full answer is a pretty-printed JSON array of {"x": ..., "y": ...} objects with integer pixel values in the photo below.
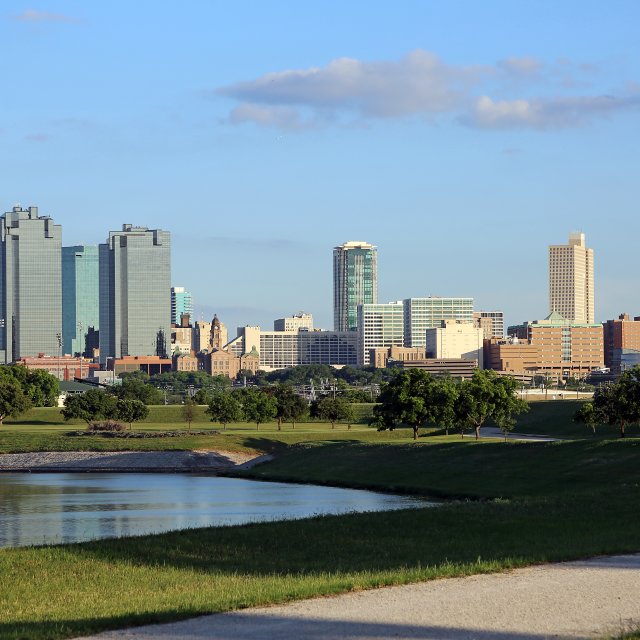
[{"x": 585, "y": 599}]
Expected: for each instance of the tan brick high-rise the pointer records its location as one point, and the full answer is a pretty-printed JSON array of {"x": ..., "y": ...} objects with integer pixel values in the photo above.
[{"x": 571, "y": 287}]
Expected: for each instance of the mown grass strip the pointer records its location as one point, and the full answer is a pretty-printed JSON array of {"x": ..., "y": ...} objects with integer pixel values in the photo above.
[{"x": 57, "y": 592}]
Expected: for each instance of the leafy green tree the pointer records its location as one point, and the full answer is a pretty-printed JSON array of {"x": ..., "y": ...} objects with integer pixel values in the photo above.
[
  {"x": 89, "y": 406},
  {"x": 409, "y": 399},
  {"x": 616, "y": 404},
  {"x": 189, "y": 411},
  {"x": 130, "y": 411},
  {"x": 137, "y": 388},
  {"x": 289, "y": 405},
  {"x": 39, "y": 386},
  {"x": 258, "y": 406},
  {"x": 445, "y": 392},
  {"x": 488, "y": 395},
  {"x": 13, "y": 400},
  {"x": 225, "y": 408},
  {"x": 334, "y": 410}
]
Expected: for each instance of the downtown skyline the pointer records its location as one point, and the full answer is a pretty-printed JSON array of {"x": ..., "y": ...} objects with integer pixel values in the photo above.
[{"x": 461, "y": 195}]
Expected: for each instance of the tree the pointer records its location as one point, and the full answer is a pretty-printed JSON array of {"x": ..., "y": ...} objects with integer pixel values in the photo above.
[
  {"x": 616, "y": 404},
  {"x": 88, "y": 406},
  {"x": 289, "y": 405},
  {"x": 488, "y": 395},
  {"x": 258, "y": 406},
  {"x": 130, "y": 411},
  {"x": 407, "y": 398},
  {"x": 13, "y": 401},
  {"x": 224, "y": 408},
  {"x": 39, "y": 386},
  {"x": 334, "y": 410},
  {"x": 137, "y": 387},
  {"x": 445, "y": 396},
  {"x": 189, "y": 410}
]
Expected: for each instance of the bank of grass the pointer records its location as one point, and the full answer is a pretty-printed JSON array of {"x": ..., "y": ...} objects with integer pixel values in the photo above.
[
  {"x": 541, "y": 502},
  {"x": 43, "y": 429},
  {"x": 485, "y": 469},
  {"x": 65, "y": 591}
]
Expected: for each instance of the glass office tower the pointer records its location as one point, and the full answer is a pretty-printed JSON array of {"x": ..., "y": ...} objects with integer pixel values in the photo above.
[
  {"x": 30, "y": 284},
  {"x": 80, "y": 295},
  {"x": 135, "y": 293},
  {"x": 355, "y": 281}
]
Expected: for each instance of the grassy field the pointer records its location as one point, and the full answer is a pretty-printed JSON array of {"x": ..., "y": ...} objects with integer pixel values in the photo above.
[
  {"x": 43, "y": 429},
  {"x": 538, "y": 502}
]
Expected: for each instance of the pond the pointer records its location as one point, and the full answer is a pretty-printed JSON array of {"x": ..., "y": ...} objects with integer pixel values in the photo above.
[{"x": 51, "y": 508}]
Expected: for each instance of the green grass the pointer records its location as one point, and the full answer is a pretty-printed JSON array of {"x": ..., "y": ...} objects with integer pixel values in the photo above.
[
  {"x": 540, "y": 502},
  {"x": 486, "y": 469},
  {"x": 43, "y": 429},
  {"x": 55, "y": 592}
]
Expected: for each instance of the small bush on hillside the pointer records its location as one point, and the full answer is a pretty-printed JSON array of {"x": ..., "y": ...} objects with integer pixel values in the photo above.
[{"x": 106, "y": 425}]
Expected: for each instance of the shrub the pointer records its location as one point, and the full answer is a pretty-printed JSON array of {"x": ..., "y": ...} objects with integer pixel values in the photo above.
[{"x": 106, "y": 425}]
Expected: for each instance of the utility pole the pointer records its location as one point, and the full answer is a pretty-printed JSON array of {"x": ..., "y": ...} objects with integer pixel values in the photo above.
[
  {"x": 59, "y": 337},
  {"x": 81, "y": 327}
]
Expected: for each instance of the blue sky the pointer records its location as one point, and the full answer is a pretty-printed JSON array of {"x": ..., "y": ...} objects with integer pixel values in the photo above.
[{"x": 462, "y": 138}]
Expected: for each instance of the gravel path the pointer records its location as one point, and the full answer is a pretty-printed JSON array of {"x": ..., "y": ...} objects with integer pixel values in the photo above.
[
  {"x": 173, "y": 461},
  {"x": 590, "y": 598}
]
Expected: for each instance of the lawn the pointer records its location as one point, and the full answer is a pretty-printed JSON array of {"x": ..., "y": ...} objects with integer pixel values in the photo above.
[
  {"x": 43, "y": 429},
  {"x": 531, "y": 503}
]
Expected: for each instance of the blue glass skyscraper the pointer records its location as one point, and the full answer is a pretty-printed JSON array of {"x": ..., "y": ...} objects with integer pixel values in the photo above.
[{"x": 80, "y": 296}]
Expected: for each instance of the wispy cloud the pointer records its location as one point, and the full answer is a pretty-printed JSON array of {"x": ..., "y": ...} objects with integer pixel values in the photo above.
[
  {"x": 34, "y": 15},
  {"x": 419, "y": 83},
  {"x": 422, "y": 85},
  {"x": 546, "y": 113}
]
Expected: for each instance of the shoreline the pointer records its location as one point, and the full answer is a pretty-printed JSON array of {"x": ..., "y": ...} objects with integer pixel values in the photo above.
[{"x": 129, "y": 461}]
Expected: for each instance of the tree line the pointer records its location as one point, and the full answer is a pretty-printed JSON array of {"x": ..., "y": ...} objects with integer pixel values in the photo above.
[
  {"x": 279, "y": 402},
  {"x": 615, "y": 404},
  {"x": 418, "y": 399}
]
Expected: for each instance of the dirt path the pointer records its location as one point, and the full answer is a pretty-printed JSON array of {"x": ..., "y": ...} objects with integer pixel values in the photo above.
[
  {"x": 585, "y": 599},
  {"x": 118, "y": 461}
]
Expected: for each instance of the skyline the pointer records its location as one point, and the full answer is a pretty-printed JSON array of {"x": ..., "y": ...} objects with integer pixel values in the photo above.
[{"x": 505, "y": 147}]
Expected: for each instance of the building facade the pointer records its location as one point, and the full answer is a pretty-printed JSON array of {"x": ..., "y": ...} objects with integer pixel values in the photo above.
[
  {"x": 30, "y": 285},
  {"x": 621, "y": 338},
  {"x": 300, "y": 320},
  {"x": 571, "y": 280},
  {"x": 456, "y": 339},
  {"x": 421, "y": 314},
  {"x": 379, "y": 325},
  {"x": 181, "y": 304},
  {"x": 80, "y": 297},
  {"x": 491, "y": 323},
  {"x": 355, "y": 281},
  {"x": 135, "y": 293}
]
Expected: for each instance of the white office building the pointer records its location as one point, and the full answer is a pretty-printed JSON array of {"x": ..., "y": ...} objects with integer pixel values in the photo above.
[
  {"x": 379, "y": 325},
  {"x": 421, "y": 314}
]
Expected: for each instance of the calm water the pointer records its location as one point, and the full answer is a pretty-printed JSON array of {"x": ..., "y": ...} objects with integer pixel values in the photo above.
[{"x": 46, "y": 508}]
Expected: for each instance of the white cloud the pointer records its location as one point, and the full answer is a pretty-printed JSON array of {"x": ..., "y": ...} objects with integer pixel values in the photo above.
[
  {"x": 352, "y": 91},
  {"x": 547, "y": 113},
  {"x": 419, "y": 83}
]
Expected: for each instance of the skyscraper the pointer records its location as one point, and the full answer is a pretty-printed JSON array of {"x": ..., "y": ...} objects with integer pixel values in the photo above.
[
  {"x": 135, "y": 293},
  {"x": 80, "y": 296},
  {"x": 30, "y": 284},
  {"x": 180, "y": 303},
  {"x": 571, "y": 287},
  {"x": 421, "y": 314},
  {"x": 355, "y": 281}
]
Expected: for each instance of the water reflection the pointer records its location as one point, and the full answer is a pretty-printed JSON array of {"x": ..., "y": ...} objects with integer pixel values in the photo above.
[{"x": 71, "y": 507}]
